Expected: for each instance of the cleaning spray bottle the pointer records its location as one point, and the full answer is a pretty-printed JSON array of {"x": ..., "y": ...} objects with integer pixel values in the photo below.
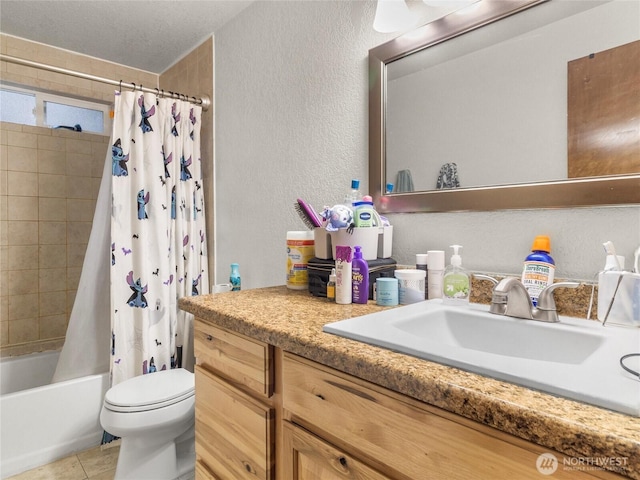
[{"x": 456, "y": 283}]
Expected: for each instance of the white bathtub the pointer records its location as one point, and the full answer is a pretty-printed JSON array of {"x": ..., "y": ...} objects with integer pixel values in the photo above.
[{"x": 42, "y": 422}]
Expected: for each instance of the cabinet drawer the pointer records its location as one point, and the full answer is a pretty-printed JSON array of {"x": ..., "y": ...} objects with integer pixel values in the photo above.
[
  {"x": 245, "y": 362},
  {"x": 308, "y": 457},
  {"x": 234, "y": 432},
  {"x": 395, "y": 435}
]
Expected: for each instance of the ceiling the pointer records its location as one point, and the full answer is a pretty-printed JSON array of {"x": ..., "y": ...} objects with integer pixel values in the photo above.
[{"x": 146, "y": 34}]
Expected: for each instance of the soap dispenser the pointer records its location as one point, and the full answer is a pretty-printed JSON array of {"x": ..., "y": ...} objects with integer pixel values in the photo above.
[{"x": 456, "y": 282}]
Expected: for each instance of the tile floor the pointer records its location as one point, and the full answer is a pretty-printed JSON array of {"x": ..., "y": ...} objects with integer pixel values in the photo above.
[{"x": 98, "y": 463}]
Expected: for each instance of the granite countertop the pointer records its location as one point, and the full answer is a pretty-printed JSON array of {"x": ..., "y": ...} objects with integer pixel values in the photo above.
[{"x": 292, "y": 320}]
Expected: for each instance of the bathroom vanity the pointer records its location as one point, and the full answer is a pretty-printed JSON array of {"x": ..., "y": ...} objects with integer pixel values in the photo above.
[{"x": 276, "y": 398}]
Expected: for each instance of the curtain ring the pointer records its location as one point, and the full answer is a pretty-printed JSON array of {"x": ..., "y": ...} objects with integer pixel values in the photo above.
[
  {"x": 120, "y": 86},
  {"x": 163, "y": 93},
  {"x": 134, "y": 86},
  {"x": 140, "y": 88}
]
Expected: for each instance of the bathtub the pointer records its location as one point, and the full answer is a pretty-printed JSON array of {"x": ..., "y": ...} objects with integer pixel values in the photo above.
[{"x": 43, "y": 422}]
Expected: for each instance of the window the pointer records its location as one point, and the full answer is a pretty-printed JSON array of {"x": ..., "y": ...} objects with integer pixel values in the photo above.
[{"x": 30, "y": 107}]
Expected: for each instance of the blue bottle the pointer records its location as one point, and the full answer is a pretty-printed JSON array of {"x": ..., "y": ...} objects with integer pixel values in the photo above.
[
  {"x": 234, "y": 278},
  {"x": 539, "y": 268},
  {"x": 359, "y": 277}
]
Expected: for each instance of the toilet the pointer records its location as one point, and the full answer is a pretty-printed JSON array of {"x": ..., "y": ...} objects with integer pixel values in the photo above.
[{"x": 154, "y": 414}]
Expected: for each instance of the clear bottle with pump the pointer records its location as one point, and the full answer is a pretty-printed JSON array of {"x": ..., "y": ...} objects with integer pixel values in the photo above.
[
  {"x": 456, "y": 282},
  {"x": 331, "y": 286},
  {"x": 359, "y": 278},
  {"x": 234, "y": 278},
  {"x": 539, "y": 268}
]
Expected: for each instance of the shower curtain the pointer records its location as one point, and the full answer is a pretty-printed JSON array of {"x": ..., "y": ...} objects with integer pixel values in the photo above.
[
  {"x": 156, "y": 250},
  {"x": 158, "y": 241}
]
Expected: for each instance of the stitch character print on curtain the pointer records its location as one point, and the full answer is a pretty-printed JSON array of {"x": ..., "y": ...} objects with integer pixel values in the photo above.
[{"x": 158, "y": 236}]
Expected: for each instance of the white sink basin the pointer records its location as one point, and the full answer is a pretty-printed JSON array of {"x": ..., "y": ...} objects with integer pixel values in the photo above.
[{"x": 575, "y": 358}]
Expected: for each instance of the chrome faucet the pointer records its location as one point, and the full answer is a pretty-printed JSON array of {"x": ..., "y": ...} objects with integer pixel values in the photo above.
[{"x": 511, "y": 298}]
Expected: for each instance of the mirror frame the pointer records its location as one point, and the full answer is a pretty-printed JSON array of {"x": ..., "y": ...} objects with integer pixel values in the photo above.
[{"x": 581, "y": 192}]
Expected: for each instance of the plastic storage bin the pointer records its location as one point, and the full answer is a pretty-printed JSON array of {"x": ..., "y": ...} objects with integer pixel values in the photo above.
[{"x": 319, "y": 270}]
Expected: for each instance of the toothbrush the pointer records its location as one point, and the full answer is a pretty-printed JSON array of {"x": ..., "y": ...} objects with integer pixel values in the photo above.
[{"x": 611, "y": 250}]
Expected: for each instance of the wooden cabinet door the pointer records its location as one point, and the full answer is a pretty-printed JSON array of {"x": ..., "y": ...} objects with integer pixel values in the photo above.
[
  {"x": 235, "y": 434},
  {"x": 404, "y": 438},
  {"x": 307, "y": 457}
]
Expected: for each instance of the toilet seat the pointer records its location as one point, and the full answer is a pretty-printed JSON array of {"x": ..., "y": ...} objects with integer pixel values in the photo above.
[{"x": 151, "y": 391}]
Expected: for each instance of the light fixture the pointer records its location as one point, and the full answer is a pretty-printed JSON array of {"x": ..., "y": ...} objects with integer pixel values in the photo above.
[{"x": 392, "y": 16}]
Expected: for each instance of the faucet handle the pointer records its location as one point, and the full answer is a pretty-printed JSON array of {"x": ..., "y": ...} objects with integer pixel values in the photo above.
[{"x": 546, "y": 300}]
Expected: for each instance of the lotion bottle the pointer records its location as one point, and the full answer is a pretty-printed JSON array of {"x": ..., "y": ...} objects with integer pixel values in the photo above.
[
  {"x": 343, "y": 274},
  {"x": 456, "y": 283},
  {"x": 359, "y": 277}
]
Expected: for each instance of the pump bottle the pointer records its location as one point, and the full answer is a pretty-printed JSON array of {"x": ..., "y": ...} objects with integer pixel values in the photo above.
[{"x": 456, "y": 283}]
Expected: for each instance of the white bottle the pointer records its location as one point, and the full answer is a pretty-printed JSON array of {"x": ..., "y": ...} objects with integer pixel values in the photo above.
[
  {"x": 435, "y": 271},
  {"x": 456, "y": 284},
  {"x": 343, "y": 275},
  {"x": 421, "y": 264}
]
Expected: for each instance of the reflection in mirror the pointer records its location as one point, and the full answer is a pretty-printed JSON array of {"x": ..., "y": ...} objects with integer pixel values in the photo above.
[{"x": 489, "y": 108}]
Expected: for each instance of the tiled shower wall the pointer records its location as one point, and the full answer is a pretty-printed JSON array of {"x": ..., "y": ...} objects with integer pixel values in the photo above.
[
  {"x": 49, "y": 185},
  {"x": 193, "y": 75},
  {"x": 49, "y": 181}
]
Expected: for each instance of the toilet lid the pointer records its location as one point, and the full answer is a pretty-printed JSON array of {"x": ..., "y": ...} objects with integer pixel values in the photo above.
[{"x": 150, "y": 391}]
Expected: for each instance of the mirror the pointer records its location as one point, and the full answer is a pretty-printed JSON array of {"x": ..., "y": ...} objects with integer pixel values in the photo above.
[{"x": 451, "y": 59}]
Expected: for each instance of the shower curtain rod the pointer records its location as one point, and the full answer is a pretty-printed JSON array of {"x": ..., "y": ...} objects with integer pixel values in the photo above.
[{"x": 203, "y": 101}]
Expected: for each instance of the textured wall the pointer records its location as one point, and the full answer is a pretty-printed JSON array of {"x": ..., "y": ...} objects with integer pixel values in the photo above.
[{"x": 292, "y": 120}]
